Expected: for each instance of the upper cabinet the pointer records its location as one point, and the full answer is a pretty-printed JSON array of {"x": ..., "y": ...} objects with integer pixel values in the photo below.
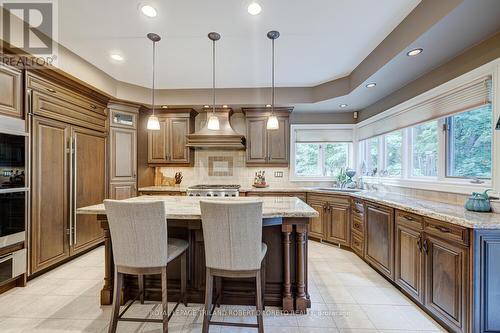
[
  {"x": 267, "y": 147},
  {"x": 10, "y": 92},
  {"x": 168, "y": 145}
]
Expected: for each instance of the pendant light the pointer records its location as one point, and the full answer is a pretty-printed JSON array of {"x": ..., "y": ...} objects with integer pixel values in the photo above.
[
  {"x": 213, "y": 121},
  {"x": 153, "y": 122},
  {"x": 272, "y": 121}
]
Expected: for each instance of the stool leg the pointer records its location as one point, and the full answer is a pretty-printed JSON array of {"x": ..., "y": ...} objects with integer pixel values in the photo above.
[
  {"x": 164, "y": 299},
  {"x": 218, "y": 287},
  {"x": 208, "y": 300},
  {"x": 116, "y": 302},
  {"x": 141, "y": 287},
  {"x": 183, "y": 278},
  {"x": 258, "y": 294}
]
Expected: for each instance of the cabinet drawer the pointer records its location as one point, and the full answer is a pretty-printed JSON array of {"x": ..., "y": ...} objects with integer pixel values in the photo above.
[
  {"x": 357, "y": 206},
  {"x": 357, "y": 224},
  {"x": 357, "y": 244},
  {"x": 447, "y": 231},
  {"x": 410, "y": 220}
]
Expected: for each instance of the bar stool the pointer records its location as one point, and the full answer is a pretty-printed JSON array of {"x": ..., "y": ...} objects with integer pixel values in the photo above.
[
  {"x": 232, "y": 232},
  {"x": 141, "y": 246}
]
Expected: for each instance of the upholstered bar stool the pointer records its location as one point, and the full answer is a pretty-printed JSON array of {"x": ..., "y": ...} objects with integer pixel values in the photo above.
[
  {"x": 232, "y": 232},
  {"x": 141, "y": 246}
]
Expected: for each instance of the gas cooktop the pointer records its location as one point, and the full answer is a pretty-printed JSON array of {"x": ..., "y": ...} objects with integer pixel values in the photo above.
[{"x": 214, "y": 187}]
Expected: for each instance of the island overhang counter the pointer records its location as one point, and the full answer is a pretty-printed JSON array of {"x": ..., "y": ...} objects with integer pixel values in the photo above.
[{"x": 285, "y": 226}]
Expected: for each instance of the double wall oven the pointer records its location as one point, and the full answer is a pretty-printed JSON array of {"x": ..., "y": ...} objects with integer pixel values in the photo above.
[{"x": 13, "y": 205}]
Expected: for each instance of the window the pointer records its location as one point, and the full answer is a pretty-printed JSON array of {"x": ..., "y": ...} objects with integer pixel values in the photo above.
[
  {"x": 321, "y": 159},
  {"x": 424, "y": 150},
  {"x": 373, "y": 151},
  {"x": 336, "y": 158},
  {"x": 307, "y": 159},
  {"x": 393, "y": 154},
  {"x": 468, "y": 143}
]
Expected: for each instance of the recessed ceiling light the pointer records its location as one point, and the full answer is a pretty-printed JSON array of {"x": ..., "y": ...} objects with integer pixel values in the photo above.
[
  {"x": 206, "y": 106},
  {"x": 117, "y": 57},
  {"x": 254, "y": 8},
  {"x": 268, "y": 105},
  {"x": 371, "y": 85},
  {"x": 224, "y": 106},
  {"x": 414, "y": 52},
  {"x": 343, "y": 105},
  {"x": 149, "y": 11},
  {"x": 164, "y": 106}
]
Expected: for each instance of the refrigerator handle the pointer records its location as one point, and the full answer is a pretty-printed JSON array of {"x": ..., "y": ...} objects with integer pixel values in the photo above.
[{"x": 73, "y": 194}]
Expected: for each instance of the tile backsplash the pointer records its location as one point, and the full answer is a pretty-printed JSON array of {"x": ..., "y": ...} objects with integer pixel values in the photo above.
[{"x": 241, "y": 174}]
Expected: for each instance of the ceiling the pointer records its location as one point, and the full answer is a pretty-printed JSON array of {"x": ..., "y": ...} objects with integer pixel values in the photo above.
[{"x": 321, "y": 40}]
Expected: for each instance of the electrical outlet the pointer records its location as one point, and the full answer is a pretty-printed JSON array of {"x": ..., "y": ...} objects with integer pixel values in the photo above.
[{"x": 278, "y": 174}]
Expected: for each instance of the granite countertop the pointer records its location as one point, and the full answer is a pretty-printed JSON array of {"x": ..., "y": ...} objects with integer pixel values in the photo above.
[
  {"x": 440, "y": 211},
  {"x": 182, "y": 207},
  {"x": 162, "y": 188}
]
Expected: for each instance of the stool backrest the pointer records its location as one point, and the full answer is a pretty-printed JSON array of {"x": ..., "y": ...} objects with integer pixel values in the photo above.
[
  {"x": 232, "y": 232},
  {"x": 138, "y": 233}
]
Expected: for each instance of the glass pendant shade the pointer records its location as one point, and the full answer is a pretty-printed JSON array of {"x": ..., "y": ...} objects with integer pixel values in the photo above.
[
  {"x": 213, "y": 123},
  {"x": 272, "y": 123},
  {"x": 153, "y": 123}
]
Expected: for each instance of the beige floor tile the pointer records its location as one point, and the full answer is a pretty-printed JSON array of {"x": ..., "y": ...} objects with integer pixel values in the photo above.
[
  {"x": 318, "y": 330},
  {"x": 68, "y": 326},
  {"x": 336, "y": 295},
  {"x": 43, "y": 306},
  {"x": 17, "y": 325},
  {"x": 318, "y": 316},
  {"x": 388, "y": 317},
  {"x": 350, "y": 316},
  {"x": 378, "y": 295}
]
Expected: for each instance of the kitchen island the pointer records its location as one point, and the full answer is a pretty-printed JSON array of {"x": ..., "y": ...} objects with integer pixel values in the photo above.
[{"x": 285, "y": 226}]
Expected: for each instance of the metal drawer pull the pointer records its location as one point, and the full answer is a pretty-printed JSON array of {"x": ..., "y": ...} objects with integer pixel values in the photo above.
[
  {"x": 51, "y": 90},
  {"x": 442, "y": 229},
  {"x": 357, "y": 211},
  {"x": 419, "y": 243},
  {"x": 426, "y": 246},
  {"x": 357, "y": 225},
  {"x": 408, "y": 217}
]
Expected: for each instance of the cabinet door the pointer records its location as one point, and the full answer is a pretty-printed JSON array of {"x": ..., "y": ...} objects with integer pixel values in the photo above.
[
  {"x": 120, "y": 191},
  {"x": 123, "y": 152},
  {"x": 409, "y": 265},
  {"x": 337, "y": 224},
  {"x": 177, "y": 140},
  {"x": 50, "y": 196},
  {"x": 379, "y": 238},
  {"x": 89, "y": 185},
  {"x": 446, "y": 282},
  {"x": 157, "y": 143},
  {"x": 10, "y": 92},
  {"x": 256, "y": 140},
  {"x": 316, "y": 224},
  {"x": 278, "y": 142}
]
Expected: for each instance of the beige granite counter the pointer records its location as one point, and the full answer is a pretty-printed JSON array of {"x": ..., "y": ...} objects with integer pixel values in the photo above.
[
  {"x": 162, "y": 188},
  {"x": 188, "y": 208},
  {"x": 441, "y": 211},
  {"x": 246, "y": 189}
]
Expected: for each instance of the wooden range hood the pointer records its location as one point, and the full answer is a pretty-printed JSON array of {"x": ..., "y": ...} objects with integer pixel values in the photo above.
[{"x": 225, "y": 138}]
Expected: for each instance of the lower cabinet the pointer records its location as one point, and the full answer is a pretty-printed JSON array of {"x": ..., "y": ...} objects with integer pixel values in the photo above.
[
  {"x": 446, "y": 283},
  {"x": 332, "y": 224},
  {"x": 379, "y": 238}
]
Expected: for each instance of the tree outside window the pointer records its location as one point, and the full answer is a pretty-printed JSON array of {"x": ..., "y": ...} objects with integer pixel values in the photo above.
[{"x": 424, "y": 149}]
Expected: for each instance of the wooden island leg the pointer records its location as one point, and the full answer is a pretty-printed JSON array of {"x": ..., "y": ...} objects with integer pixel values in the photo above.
[
  {"x": 301, "y": 300},
  {"x": 109, "y": 266},
  {"x": 287, "y": 283}
]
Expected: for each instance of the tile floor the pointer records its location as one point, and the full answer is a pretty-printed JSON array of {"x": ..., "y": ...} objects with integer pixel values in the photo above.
[{"x": 347, "y": 295}]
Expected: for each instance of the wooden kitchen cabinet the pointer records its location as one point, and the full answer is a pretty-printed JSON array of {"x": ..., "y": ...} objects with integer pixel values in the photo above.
[
  {"x": 332, "y": 224},
  {"x": 168, "y": 145},
  {"x": 379, "y": 238},
  {"x": 11, "y": 91},
  {"x": 267, "y": 147},
  {"x": 123, "y": 150},
  {"x": 409, "y": 261},
  {"x": 446, "y": 281},
  {"x": 50, "y": 193}
]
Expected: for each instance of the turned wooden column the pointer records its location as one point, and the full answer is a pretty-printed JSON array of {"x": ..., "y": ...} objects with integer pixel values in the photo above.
[
  {"x": 109, "y": 265},
  {"x": 286, "y": 230},
  {"x": 301, "y": 300}
]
